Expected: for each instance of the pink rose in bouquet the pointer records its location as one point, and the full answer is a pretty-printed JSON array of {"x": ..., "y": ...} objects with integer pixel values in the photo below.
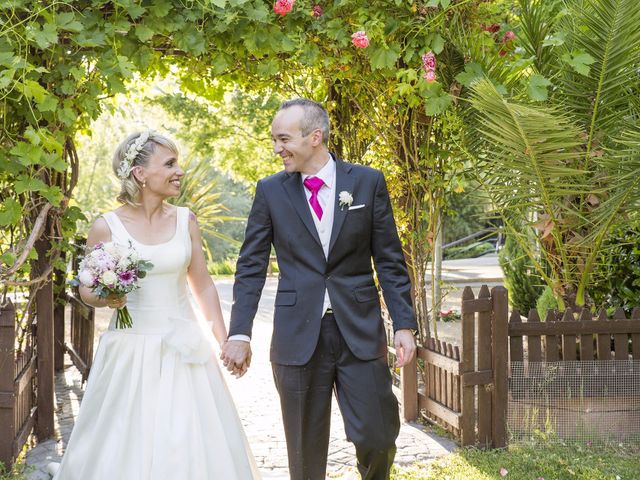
[{"x": 112, "y": 269}]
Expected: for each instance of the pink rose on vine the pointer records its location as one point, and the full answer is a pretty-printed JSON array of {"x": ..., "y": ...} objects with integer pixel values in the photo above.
[
  {"x": 493, "y": 28},
  {"x": 429, "y": 65},
  {"x": 508, "y": 37},
  {"x": 429, "y": 61},
  {"x": 360, "y": 39},
  {"x": 282, "y": 7},
  {"x": 317, "y": 11},
  {"x": 430, "y": 76}
]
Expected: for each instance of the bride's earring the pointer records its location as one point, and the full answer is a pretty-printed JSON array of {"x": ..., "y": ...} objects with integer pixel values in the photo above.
[{"x": 144, "y": 183}]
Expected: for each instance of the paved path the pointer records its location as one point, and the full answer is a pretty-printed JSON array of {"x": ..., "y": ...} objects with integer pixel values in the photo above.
[{"x": 258, "y": 405}]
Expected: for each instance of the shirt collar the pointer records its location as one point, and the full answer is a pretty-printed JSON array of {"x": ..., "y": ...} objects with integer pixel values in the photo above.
[{"x": 327, "y": 173}]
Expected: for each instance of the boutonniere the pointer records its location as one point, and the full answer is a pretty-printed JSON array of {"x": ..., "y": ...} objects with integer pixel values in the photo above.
[{"x": 345, "y": 198}]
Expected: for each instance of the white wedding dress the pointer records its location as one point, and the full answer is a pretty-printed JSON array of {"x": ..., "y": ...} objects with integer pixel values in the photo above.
[{"x": 156, "y": 406}]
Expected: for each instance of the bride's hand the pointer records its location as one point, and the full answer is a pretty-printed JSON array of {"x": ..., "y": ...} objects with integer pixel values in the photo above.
[
  {"x": 116, "y": 301},
  {"x": 236, "y": 356}
]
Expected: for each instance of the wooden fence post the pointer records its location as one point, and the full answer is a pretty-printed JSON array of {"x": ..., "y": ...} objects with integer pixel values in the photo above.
[
  {"x": 7, "y": 380},
  {"x": 468, "y": 424},
  {"x": 500, "y": 365},
  {"x": 58, "y": 315},
  {"x": 484, "y": 361},
  {"x": 44, "y": 339},
  {"x": 409, "y": 383}
]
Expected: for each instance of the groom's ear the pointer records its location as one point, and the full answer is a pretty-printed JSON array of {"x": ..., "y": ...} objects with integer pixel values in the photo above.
[{"x": 316, "y": 137}]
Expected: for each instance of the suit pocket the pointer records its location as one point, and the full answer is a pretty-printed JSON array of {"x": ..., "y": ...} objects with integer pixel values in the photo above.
[
  {"x": 366, "y": 294},
  {"x": 285, "y": 298}
]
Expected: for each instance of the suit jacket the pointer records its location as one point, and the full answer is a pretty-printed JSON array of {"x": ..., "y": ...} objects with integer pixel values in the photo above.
[{"x": 280, "y": 216}]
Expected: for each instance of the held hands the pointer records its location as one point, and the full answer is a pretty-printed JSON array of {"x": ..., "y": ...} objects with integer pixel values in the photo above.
[
  {"x": 236, "y": 356},
  {"x": 405, "y": 345}
]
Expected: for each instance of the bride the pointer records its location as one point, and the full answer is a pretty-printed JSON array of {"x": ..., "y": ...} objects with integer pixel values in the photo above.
[{"x": 156, "y": 406}]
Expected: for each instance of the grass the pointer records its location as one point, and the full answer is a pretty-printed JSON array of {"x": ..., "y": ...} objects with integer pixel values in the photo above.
[
  {"x": 531, "y": 462},
  {"x": 16, "y": 473}
]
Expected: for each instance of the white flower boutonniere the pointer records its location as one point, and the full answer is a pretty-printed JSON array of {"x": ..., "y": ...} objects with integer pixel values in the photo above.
[{"x": 345, "y": 198}]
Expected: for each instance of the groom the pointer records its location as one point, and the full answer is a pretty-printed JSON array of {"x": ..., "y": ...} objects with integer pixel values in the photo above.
[{"x": 327, "y": 220}]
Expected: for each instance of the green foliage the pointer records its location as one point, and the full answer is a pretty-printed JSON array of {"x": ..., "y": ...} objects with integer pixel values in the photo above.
[
  {"x": 236, "y": 138},
  {"x": 472, "y": 250},
  {"x": 547, "y": 301},
  {"x": 199, "y": 192},
  {"x": 223, "y": 267},
  {"x": 616, "y": 281},
  {"x": 18, "y": 472},
  {"x": 520, "y": 277},
  {"x": 566, "y": 166},
  {"x": 466, "y": 213}
]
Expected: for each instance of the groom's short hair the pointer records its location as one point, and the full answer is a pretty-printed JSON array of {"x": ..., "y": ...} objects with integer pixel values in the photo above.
[{"x": 314, "y": 117}]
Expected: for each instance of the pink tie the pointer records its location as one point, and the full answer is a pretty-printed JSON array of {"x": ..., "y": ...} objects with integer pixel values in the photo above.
[{"x": 314, "y": 184}]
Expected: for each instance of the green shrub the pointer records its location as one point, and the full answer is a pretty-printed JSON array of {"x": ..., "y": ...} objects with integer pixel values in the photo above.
[
  {"x": 547, "y": 301},
  {"x": 616, "y": 279},
  {"x": 228, "y": 267},
  {"x": 468, "y": 251},
  {"x": 17, "y": 472},
  {"x": 520, "y": 278},
  {"x": 224, "y": 267}
]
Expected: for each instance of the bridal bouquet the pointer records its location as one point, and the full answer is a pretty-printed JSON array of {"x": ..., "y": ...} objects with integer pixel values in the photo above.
[{"x": 110, "y": 268}]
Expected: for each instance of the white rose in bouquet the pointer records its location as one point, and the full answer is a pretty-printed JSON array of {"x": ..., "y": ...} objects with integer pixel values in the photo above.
[
  {"x": 86, "y": 278},
  {"x": 108, "y": 278}
]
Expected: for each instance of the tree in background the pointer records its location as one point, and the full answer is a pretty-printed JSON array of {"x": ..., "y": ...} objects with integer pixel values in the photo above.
[{"x": 557, "y": 149}]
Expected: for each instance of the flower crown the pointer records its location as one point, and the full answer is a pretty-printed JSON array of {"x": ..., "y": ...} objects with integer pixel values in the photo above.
[{"x": 124, "y": 169}]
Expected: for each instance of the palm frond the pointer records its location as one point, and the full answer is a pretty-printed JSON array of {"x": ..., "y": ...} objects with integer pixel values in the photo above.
[
  {"x": 526, "y": 161},
  {"x": 532, "y": 151},
  {"x": 538, "y": 22},
  {"x": 608, "y": 31}
]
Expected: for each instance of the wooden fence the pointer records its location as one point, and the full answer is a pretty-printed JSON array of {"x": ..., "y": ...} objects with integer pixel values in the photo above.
[
  {"x": 578, "y": 336},
  {"x": 81, "y": 324},
  {"x": 27, "y": 372},
  {"x": 18, "y": 403},
  {"x": 464, "y": 389}
]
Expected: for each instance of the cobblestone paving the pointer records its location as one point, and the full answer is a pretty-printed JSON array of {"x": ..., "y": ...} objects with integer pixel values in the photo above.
[{"x": 258, "y": 406}]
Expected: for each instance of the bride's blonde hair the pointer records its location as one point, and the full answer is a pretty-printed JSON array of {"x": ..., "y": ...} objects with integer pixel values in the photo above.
[{"x": 130, "y": 186}]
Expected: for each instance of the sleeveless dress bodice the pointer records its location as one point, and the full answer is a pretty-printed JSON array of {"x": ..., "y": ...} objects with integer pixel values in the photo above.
[{"x": 163, "y": 293}]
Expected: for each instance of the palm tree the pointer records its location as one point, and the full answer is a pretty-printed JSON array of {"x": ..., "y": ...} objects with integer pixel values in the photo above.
[
  {"x": 199, "y": 192},
  {"x": 567, "y": 167}
]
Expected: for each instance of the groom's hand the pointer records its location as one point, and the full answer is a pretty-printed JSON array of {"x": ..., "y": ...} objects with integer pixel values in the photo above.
[
  {"x": 236, "y": 357},
  {"x": 405, "y": 344}
]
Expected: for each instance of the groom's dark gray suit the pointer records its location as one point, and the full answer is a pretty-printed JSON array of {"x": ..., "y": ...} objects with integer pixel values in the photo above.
[{"x": 347, "y": 349}]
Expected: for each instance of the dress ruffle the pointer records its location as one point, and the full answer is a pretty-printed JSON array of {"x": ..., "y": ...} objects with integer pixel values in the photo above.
[{"x": 189, "y": 339}]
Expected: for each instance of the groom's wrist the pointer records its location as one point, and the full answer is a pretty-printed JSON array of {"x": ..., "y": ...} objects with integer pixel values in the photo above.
[{"x": 242, "y": 338}]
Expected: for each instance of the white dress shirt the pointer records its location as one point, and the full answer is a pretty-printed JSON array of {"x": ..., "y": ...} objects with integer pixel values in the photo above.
[{"x": 326, "y": 198}]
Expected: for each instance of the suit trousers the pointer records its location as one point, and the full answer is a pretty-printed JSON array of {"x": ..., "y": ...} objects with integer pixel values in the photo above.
[{"x": 365, "y": 397}]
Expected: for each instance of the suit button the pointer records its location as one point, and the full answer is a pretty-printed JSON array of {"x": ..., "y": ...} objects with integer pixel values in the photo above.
[{"x": 328, "y": 277}]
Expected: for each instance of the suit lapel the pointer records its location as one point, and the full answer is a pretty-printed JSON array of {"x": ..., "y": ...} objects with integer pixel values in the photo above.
[
  {"x": 293, "y": 186},
  {"x": 344, "y": 183}
]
